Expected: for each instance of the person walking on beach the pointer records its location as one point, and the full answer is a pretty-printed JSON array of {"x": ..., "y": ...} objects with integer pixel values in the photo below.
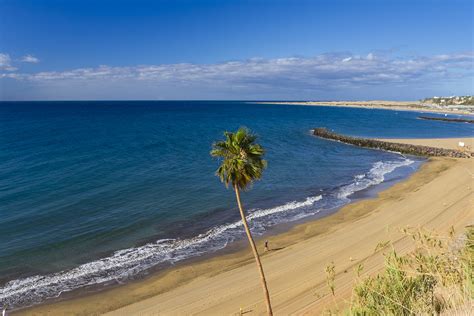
[{"x": 266, "y": 246}]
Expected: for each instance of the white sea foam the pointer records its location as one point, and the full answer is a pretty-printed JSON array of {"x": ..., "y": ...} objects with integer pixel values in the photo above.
[
  {"x": 376, "y": 175},
  {"x": 286, "y": 207},
  {"x": 127, "y": 263}
]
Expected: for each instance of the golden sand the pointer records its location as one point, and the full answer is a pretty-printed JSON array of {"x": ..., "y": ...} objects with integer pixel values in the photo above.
[{"x": 448, "y": 143}]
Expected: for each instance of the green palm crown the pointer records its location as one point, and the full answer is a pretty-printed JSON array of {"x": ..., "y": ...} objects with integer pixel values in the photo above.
[{"x": 242, "y": 159}]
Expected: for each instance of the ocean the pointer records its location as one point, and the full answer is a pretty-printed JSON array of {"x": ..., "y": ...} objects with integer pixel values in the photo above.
[{"x": 100, "y": 192}]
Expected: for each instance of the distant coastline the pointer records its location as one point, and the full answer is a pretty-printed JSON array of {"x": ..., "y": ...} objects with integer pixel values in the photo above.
[{"x": 416, "y": 106}]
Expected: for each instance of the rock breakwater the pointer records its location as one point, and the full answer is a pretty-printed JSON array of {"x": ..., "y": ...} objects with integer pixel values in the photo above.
[
  {"x": 444, "y": 119},
  {"x": 416, "y": 150}
]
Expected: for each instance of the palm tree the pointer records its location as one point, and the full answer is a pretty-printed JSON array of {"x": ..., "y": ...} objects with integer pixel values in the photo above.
[{"x": 242, "y": 163}]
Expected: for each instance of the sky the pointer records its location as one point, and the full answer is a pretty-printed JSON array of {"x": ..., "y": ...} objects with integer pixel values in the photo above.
[{"x": 235, "y": 49}]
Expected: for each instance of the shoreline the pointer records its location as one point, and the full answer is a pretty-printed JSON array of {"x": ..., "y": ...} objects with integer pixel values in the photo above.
[
  {"x": 82, "y": 290},
  {"x": 412, "y": 106},
  {"x": 359, "y": 194},
  {"x": 236, "y": 248},
  {"x": 136, "y": 295}
]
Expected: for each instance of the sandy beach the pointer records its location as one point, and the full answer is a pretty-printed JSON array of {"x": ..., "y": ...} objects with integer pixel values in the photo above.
[
  {"x": 385, "y": 105},
  {"x": 438, "y": 196},
  {"x": 448, "y": 143}
]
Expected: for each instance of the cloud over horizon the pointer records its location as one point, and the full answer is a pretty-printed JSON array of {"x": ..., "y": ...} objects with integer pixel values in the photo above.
[{"x": 256, "y": 78}]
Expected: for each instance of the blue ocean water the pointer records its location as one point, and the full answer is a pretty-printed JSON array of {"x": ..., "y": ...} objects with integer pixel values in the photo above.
[{"x": 92, "y": 192}]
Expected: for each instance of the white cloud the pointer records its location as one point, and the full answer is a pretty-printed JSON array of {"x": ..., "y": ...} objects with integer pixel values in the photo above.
[
  {"x": 30, "y": 59},
  {"x": 253, "y": 77},
  {"x": 5, "y": 62},
  {"x": 322, "y": 69}
]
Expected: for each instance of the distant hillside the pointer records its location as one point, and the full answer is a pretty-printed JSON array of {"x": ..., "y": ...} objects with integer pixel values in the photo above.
[{"x": 454, "y": 100}]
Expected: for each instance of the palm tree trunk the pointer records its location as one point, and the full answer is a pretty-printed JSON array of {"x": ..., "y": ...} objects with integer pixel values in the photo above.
[{"x": 255, "y": 253}]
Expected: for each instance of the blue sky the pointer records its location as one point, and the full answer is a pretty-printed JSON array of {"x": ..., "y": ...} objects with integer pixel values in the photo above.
[{"x": 183, "y": 49}]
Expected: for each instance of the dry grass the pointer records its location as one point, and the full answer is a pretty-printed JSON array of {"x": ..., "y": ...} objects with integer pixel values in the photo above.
[{"x": 435, "y": 279}]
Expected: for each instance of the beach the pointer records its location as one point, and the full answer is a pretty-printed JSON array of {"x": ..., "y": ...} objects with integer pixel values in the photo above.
[
  {"x": 438, "y": 196},
  {"x": 386, "y": 105},
  {"x": 236, "y": 157},
  {"x": 448, "y": 143}
]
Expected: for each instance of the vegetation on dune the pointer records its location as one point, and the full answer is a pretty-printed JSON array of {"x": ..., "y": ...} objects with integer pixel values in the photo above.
[
  {"x": 435, "y": 279},
  {"x": 241, "y": 164}
]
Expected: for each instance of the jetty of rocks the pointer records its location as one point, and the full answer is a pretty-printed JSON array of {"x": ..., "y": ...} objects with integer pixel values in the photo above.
[
  {"x": 416, "y": 150},
  {"x": 445, "y": 119}
]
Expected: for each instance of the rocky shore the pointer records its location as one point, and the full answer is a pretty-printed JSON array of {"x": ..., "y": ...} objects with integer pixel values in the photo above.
[{"x": 397, "y": 147}]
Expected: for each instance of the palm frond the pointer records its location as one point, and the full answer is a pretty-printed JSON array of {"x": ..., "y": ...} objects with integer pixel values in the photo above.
[{"x": 241, "y": 158}]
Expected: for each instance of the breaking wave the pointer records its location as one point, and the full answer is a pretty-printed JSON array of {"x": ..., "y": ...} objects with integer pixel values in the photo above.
[{"x": 376, "y": 175}]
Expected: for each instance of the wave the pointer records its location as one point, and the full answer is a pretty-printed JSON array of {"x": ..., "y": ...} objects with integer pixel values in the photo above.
[
  {"x": 128, "y": 263},
  {"x": 376, "y": 175}
]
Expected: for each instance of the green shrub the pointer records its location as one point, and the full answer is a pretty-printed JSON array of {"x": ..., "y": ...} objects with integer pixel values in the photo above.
[{"x": 436, "y": 278}]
